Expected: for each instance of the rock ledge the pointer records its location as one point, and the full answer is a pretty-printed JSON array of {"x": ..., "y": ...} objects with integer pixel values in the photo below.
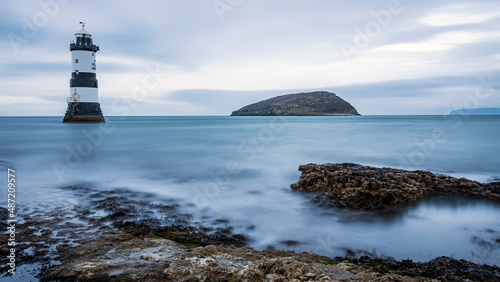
[{"x": 361, "y": 187}]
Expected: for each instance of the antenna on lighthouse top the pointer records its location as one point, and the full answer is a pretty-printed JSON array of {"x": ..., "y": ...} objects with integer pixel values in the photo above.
[{"x": 83, "y": 24}]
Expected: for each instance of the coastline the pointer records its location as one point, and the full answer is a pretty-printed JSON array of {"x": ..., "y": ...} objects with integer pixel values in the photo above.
[{"x": 127, "y": 241}]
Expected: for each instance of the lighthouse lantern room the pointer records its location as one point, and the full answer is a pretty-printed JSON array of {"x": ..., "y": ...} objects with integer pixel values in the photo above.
[{"x": 83, "y": 103}]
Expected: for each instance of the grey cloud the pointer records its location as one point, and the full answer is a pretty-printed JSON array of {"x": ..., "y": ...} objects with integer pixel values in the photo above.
[{"x": 189, "y": 34}]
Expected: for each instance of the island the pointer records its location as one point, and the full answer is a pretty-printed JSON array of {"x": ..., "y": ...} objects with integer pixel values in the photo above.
[{"x": 319, "y": 103}]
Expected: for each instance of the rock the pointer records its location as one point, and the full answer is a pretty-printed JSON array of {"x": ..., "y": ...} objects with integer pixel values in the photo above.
[
  {"x": 122, "y": 258},
  {"x": 441, "y": 268},
  {"x": 319, "y": 103},
  {"x": 494, "y": 187},
  {"x": 360, "y": 187},
  {"x": 138, "y": 252},
  {"x": 210, "y": 250}
]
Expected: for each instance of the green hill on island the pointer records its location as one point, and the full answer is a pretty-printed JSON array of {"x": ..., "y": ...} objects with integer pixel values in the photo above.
[{"x": 319, "y": 103}]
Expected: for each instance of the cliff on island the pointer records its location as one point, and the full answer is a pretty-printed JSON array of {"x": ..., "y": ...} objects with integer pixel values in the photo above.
[
  {"x": 368, "y": 188},
  {"x": 320, "y": 103}
]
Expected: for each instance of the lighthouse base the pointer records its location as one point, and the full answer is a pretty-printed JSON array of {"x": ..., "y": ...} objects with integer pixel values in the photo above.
[{"x": 83, "y": 112}]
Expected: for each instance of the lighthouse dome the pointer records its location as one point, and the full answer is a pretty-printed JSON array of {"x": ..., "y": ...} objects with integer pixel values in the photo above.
[
  {"x": 83, "y": 41},
  {"x": 83, "y": 32}
]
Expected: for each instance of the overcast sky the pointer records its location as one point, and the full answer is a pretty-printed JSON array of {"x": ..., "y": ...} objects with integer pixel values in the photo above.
[{"x": 205, "y": 57}]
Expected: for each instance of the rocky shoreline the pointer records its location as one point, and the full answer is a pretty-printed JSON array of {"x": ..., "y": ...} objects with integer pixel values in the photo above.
[
  {"x": 145, "y": 258},
  {"x": 125, "y": 257},
  {"x": 108, "y": 236},
  {"x": 355, "y": 186}
]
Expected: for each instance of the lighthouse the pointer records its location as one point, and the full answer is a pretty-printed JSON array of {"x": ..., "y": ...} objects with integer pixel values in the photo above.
[{"x": 83, "y": 103}]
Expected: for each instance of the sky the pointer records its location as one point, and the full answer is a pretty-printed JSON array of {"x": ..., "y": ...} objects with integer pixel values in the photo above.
[{"x": 211, "y": 57}]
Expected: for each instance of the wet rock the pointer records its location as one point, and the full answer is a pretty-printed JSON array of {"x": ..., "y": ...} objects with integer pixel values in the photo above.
[
  {"x": 50, "y": 233},
  {"x": 184, "y": 234},
  {"x": 355, "y": 186},
  {"x": 221, "y": 221},
  {"x": 224, "y": 238},
  {"x": 494, "y": 187},
  {"x": 75, "y": 245},
  {"x": 290, "y": 243},
  {"x": 442, "y": 268},
  {"x": 209, "y": 250},
  {"x": 124, "y": 257}
]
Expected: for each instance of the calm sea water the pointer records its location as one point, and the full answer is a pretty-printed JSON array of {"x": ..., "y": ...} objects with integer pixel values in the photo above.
[{"x": 241, "y": 168}]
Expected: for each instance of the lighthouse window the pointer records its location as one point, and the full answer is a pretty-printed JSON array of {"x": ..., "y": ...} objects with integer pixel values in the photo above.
[{"x": 76, "y": 61}]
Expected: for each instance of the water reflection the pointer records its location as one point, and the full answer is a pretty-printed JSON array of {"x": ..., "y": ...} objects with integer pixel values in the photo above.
[{"x": 452, "y": 225}]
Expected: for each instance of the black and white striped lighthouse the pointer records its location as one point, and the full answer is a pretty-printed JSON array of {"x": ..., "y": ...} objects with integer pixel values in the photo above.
[{"x": 83, "y": 103}]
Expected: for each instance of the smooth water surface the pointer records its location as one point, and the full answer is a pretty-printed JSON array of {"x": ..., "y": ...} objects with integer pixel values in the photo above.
[{"x": 241, "y": 168}]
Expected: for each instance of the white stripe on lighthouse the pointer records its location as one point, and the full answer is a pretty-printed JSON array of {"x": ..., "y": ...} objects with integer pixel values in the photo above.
[{"x": 83, "y": 61}]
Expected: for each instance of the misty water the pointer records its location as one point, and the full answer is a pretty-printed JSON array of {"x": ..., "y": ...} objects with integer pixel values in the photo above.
[{"x": 240, "y": 169}]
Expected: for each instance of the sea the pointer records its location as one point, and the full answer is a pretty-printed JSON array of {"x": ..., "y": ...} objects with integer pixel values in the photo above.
[{"x": 238, "y": 170}]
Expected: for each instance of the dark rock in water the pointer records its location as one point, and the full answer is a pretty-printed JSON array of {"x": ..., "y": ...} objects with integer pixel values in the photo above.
[
  {"x": 494, "y": 187},
  {"x": 442, "y": 268},
  {"x": 367, "y": 188},
  {"x": 320, "y": 103},
  {"x": 290, "y": 243}
]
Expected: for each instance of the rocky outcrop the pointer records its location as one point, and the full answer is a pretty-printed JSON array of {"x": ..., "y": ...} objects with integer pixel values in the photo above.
[
  {"x": 367, "y": 188},
  {"x": 123, "y": 257},
  {"x": 441, "y": 268},
  {"x": 115, "y": 236},
  {"x": 320, "y": 103}
]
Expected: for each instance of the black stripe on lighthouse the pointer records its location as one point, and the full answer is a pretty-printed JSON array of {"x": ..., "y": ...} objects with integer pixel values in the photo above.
[{"x": 83, "y": 79}]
